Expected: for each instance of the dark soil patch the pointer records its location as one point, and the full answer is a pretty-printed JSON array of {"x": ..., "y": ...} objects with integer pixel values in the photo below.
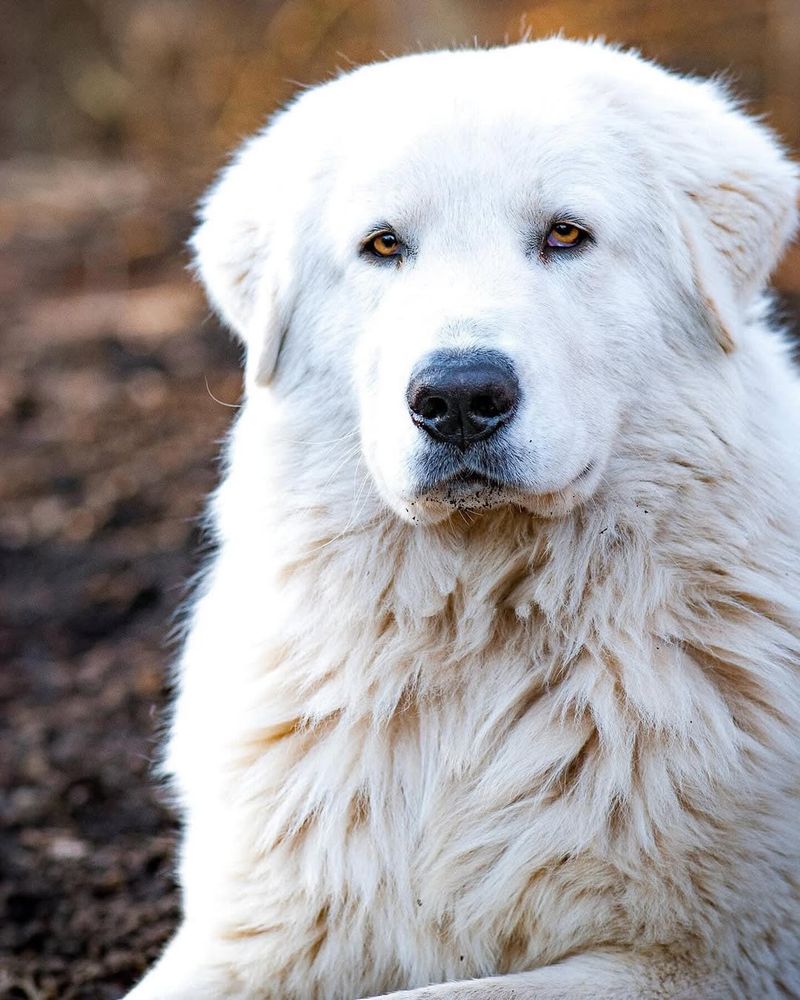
[{"x": 109, "y": 439}]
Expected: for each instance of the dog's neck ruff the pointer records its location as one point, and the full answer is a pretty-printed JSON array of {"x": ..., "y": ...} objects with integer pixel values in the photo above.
[
  {"x": 607, "y": 666},
  {"x": 421, "y": 611}
]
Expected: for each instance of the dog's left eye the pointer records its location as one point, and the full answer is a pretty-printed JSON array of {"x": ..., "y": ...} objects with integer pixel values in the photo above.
[
  {"x": 383, "y": 244},
  {"x": 565, "y": 235}
]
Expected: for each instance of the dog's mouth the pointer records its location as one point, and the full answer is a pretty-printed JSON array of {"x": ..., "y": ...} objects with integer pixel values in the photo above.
[
  {"x": 467, "y": 487},
  {"x": 470, "y": 481}
]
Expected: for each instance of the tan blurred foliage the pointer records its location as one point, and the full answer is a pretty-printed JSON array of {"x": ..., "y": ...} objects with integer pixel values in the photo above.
[{"x": 175, "y": 83}]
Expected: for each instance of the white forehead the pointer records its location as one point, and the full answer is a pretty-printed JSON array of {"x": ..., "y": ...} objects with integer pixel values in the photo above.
[{"x": 537, "y": 127}]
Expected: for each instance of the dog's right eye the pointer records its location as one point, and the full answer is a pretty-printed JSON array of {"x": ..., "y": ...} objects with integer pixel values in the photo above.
[
  {"x": 383, "y": 244},
  {"x": 565, "y": 236}
]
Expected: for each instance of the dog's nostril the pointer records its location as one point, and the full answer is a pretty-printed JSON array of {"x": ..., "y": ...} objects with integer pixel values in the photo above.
[
  {"x": 484, "y": 406},
  {"x": 433, "y": 407}
]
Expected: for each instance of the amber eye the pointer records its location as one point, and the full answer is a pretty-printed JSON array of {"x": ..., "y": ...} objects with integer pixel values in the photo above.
[
  {"x": 384, "y": 244},
  {"x": 565, "y": 235}
]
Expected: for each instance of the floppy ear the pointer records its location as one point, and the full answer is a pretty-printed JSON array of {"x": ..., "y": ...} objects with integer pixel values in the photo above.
[
  {"x": 737, "y": 196},
  {"x": 711, "y": 286},
  {"x": 240, "y": 249}
]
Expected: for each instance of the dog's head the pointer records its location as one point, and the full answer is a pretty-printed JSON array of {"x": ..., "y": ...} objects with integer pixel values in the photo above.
[{"x": 494, "y": 262}]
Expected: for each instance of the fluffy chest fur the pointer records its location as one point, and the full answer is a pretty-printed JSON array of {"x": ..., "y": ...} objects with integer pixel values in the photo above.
[{"x": 572, "y": 741}]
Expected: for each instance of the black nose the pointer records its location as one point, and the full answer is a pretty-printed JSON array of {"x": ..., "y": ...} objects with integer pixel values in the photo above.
[{"x": 462, "y": 397}]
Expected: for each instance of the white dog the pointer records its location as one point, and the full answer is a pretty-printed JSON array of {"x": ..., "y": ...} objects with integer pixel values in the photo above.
[{"x": 493, "y": 683}]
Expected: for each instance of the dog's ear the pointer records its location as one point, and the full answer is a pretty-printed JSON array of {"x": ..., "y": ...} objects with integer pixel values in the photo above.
[
  {"x": 737, "y": 193},
  {"x": 240, "y": 249}
]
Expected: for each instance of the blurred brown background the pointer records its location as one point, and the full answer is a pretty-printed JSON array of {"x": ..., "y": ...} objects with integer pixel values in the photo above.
[{"x": 114, "y": 115}]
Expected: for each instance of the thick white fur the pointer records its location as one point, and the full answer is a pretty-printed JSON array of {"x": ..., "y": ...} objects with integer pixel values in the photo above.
[{"x": 548, "y": 749}]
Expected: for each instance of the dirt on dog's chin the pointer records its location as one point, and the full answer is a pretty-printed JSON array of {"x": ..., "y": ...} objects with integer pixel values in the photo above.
[{"x": 472, "y": 499}]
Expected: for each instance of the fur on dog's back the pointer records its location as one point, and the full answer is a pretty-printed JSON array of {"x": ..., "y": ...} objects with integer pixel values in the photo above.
[{"x": 413, "y": 748}]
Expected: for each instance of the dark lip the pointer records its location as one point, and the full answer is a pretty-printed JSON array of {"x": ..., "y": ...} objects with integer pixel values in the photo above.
[
  {"x": 470, "y": 479},
  {"x": 474, "y": 479}
]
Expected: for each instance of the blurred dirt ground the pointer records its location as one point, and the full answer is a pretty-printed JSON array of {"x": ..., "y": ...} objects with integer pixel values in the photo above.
[
  {"x": 108, "y": 432},
  {"x": 114, "y": 115}
]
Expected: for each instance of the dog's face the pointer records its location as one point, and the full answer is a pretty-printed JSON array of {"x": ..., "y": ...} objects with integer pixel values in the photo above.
[
  {"x": 498, "y": 313},
  {"x": 496, "y": 261}
]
